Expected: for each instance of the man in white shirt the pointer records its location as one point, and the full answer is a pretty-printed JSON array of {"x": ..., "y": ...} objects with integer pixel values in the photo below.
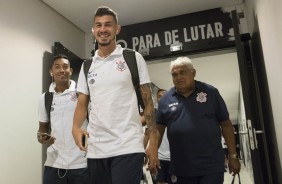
[
  {"x": 65, "y": 163},
  {"x": 115, "y": 144}
]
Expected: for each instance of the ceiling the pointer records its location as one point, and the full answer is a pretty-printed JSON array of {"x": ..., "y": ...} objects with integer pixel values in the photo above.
[{"x": 129, "y": 12}]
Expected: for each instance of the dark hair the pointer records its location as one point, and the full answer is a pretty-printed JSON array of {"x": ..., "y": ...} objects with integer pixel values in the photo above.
[
  {"x": 161, "y": 90},
  {"x": 59, "y": 56},
  {"x": 104, "y": 10}
]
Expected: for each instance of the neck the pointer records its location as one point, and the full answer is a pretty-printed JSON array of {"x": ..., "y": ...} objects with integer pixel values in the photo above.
[
  {"x": 105, "y": 51},
  {"x": 186, "y": 92},
  {"x": 61, "y": 87}
]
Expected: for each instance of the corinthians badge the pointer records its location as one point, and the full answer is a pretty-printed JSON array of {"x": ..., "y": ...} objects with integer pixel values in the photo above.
[{"x": 201, "y": 97}]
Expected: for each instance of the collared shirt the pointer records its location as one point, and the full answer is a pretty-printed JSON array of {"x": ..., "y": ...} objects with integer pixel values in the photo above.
[
  {"x": 63, "y": 153},
  {"x": 193, "y": 129},
  {"x": 114, "y": 121}
]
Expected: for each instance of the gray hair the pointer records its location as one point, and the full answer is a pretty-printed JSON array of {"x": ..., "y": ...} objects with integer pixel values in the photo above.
[{"x": 180, "y": 61}]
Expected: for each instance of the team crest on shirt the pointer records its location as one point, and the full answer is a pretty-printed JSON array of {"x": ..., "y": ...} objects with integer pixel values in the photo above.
[
  {"x": 91, "y": 81},
  {"x": 201, "y": 97},
  {"x": 73, "y": 96},
  {"x": 172, "y": 106},
  {"x": 121, "y": 66}
]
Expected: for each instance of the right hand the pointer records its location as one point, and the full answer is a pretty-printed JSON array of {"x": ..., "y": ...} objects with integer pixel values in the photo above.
[
  {"x": 45, "y": 139},
  {"x": 77, "y": 135}
]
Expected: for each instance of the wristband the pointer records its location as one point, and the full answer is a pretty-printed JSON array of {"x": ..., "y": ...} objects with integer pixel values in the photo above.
[{"x": 233, "y": 156}]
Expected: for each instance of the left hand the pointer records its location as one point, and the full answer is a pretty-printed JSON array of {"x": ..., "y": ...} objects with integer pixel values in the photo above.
[{"x": 234, "y": 166}]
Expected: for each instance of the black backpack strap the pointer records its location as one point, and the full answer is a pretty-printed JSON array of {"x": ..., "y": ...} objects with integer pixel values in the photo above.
[
  {"x": 48, "y": 102},
  {"x": 130, "y": 59},
  {"x": 86, "y": 66}
]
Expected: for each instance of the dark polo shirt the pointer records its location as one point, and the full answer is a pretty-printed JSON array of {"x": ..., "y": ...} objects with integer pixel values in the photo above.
[{"x": 193, "y": 130}]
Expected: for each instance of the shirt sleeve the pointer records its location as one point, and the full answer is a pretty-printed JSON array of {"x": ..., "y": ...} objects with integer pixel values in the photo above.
[
  {"x": 42, "y": 114},
  {"x": 81, "y": 82},
  {"x": 142, "y": 69},
  {"x": 159, "y": 115},
  {"x": 221, "y": 112}
]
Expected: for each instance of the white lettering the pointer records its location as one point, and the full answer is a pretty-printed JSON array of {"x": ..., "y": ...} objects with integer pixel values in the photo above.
[
  {"x": 210, "y": 33},
  {"x": 186, "y": 39},
  {"x": 157, "y": 42},
  {"x": 202, "y": 27},
  {"x": 218, "y": 29},
  {"x": 194, "y": 33},
  {"x": 142, "y": 44},
  {"x": 168, "y": 39},
  {"x": 175, "y": 36},
  {"x": 135, "y": 42}
]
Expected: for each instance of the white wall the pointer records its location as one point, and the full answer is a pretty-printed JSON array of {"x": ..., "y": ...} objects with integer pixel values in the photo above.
[
  {"x": 269, "y": 14},
  {"x": 27, "y": 29}
]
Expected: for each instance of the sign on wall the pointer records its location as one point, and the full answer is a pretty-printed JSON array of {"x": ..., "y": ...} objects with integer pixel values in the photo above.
[{"x": 189, "y": 33}]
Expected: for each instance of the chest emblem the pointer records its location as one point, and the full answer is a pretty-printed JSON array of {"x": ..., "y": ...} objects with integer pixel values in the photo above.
[
  {"x": 173, "y": 106},
  {"x": 201, "y": 97},
  {"x": 120, "y": 66},
  {"x": 91, "y": 81},
  {"x": 73, "y": 96}
]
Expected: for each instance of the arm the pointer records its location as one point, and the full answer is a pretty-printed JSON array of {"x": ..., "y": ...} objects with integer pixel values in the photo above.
[
  {"x": 78, "y": 119},
  {"x": 228, "y": 134},
  {"x": 44, "y": 128},
  {"x": 149, "y": 114}
]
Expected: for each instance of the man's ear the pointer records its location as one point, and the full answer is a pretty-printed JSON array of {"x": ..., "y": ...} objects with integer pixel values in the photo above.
[
  {"x": 51, "y": 73},
  {"x": 118, "y": 29},
  {"x": 71, "y": 71},
  {"x": 194, "y": 72}
]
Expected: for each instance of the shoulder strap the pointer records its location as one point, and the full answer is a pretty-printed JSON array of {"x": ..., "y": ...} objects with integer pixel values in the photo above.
[
  {"x": 48, "y": 102},
  {"x": 130, "y": 59},
  {"x": 86, "y": 67}
]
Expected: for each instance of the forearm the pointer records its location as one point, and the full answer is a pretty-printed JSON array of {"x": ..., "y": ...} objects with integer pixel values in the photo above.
[
  {"x": 149, "y": 113},
  {"x": 80, "y": 111},
  {"x": 44, "y": 127},
  {"x": 229, "y": 136},
  {"x": 79, "y": 117}
]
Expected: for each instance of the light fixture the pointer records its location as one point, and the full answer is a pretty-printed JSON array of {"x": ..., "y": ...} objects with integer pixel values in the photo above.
[{"x": 175, "y": 47}]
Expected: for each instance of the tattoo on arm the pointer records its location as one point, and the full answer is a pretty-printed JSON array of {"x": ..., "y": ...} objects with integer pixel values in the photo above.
[{"x": 149, "y": 111}]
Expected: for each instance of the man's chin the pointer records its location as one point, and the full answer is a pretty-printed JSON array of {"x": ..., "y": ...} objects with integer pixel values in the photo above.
[{"x": 104, "y": 44}]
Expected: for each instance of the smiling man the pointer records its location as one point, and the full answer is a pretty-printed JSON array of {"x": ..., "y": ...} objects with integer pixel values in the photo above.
[
  {"x": 196, "y": 116},
  {"x": 115, "y": 145},
  {"x": 65, "y": 163}
]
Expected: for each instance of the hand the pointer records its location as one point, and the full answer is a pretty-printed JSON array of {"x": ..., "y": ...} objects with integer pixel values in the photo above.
[
  {"x": 77, "y": 135},
  {"x": 234, "y": 166},
  {"x": 45, "y": 139}
]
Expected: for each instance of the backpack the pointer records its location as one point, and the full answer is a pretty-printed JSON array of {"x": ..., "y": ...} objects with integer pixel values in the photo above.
[
  {"x": 48, "y": 102},
  {"x": 130, "y": 59}
]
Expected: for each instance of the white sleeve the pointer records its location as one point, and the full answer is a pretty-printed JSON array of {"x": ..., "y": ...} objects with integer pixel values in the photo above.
[
  {"x": 81, "y": 82},
  {"x": 42, "y": 114},
  {"x": 142, "y": 69}
]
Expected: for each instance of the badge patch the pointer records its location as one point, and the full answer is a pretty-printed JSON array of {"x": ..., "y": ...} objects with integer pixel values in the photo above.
[
  {"x": 121, "y": 66},
  {"x": 202, "y": 97},
  {"x": 173, "y": 106},
  {"x": 73, "y": 96},
  {"x": 92, "y": 81}
]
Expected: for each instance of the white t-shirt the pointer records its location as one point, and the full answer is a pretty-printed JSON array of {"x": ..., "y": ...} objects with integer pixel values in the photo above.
[
  {"x": 164, "y": 152},
  {"x": 114, "y": 121},
  {"x": 64, "y": 153}
]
